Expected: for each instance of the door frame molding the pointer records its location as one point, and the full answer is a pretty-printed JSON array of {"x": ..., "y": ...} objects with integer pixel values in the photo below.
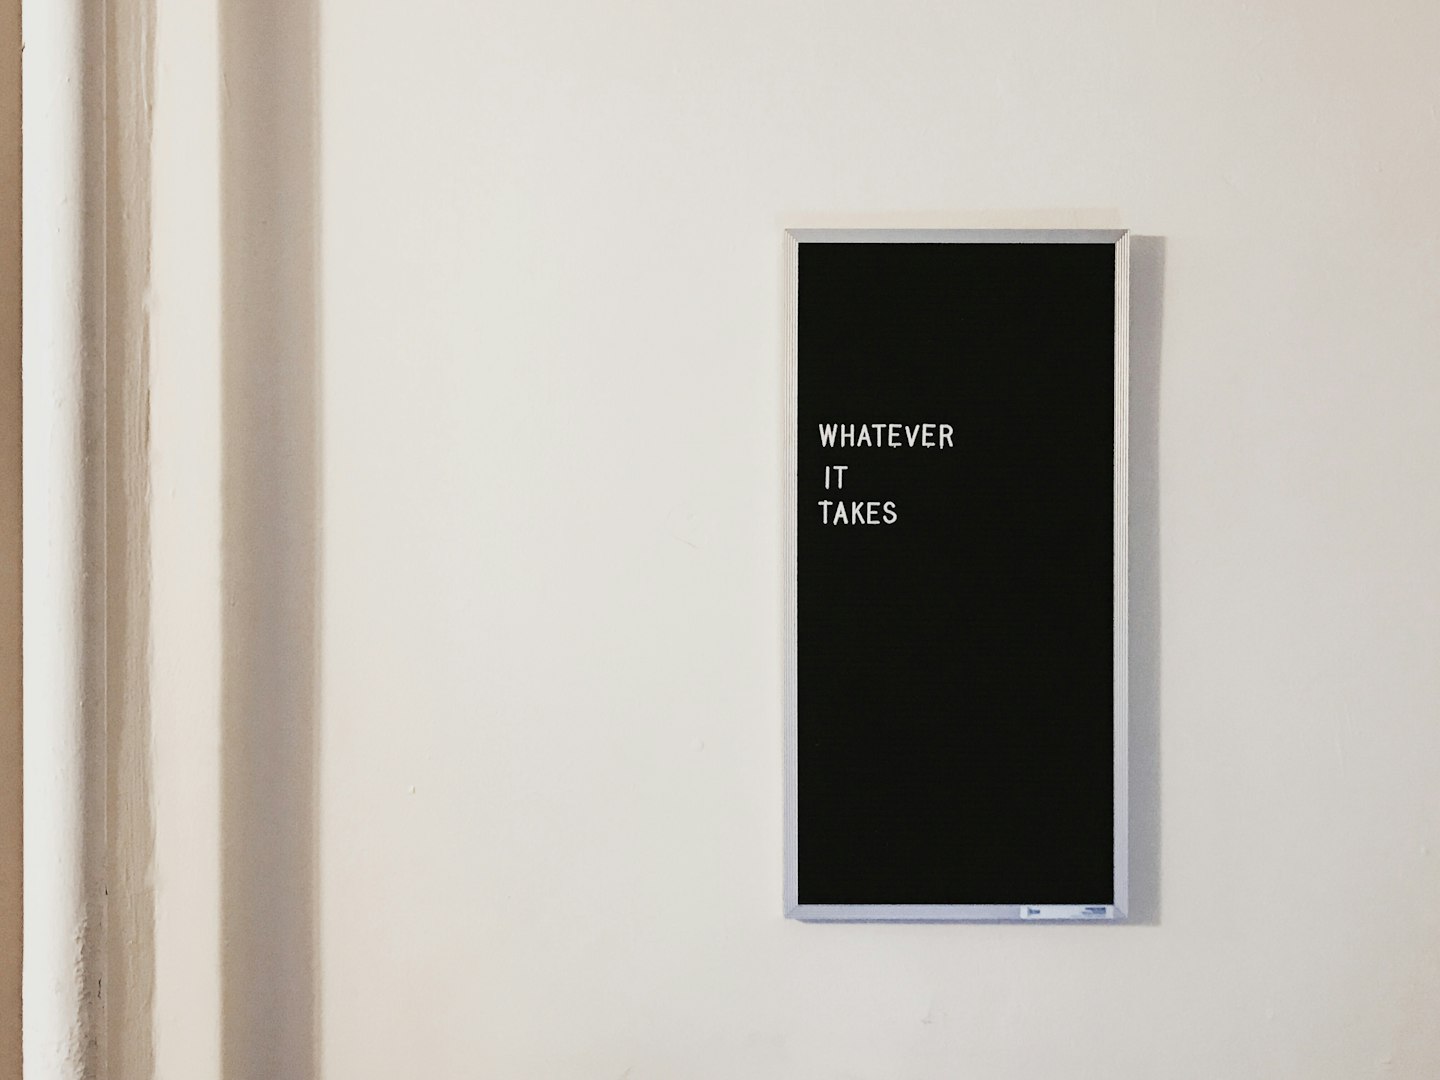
[{"x": 86, "y": 79}]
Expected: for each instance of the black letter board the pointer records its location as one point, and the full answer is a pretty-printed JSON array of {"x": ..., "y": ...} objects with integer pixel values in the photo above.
[{"x": 956, "y": 543}]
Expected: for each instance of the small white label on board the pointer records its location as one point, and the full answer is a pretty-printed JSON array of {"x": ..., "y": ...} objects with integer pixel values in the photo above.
[{"x": 1067, "y": 911}]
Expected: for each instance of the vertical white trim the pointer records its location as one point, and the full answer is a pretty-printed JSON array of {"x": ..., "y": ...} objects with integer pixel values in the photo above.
[
  {"x": 185, "y": 535},
  {"x": 64, "y": 537},
  {"x": 129, "y": 808}
]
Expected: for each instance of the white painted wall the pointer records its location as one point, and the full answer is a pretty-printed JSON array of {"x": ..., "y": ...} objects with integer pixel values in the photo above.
[
  {"x": 524, "y": 457},
  {"x": 11, "y": 825}
]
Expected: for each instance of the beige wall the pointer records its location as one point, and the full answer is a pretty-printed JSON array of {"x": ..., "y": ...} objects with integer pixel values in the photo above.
[
  {"x": 9, "y": 539},
  {"x": 467, "y": 533},
  {"x": 549, "y": 779}
]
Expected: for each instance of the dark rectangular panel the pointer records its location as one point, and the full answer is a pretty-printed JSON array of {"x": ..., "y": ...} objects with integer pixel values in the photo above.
[{"x": 955, "y": 728}]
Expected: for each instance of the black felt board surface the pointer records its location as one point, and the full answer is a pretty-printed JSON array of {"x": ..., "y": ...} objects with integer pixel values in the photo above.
[{"x": 954, "y": 666}]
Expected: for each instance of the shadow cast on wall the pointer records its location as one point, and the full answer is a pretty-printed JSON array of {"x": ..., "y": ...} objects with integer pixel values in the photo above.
[
  {"x": 270, "y": 536},
  {"x": 1147, "y": 289}
]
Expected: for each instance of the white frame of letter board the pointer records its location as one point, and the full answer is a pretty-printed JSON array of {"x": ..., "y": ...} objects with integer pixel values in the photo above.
[{"x": 1120, "y": 240}]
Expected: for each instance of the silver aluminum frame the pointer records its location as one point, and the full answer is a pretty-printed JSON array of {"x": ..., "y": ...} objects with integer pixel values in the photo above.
[{"x": 1112, "y": 912}]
